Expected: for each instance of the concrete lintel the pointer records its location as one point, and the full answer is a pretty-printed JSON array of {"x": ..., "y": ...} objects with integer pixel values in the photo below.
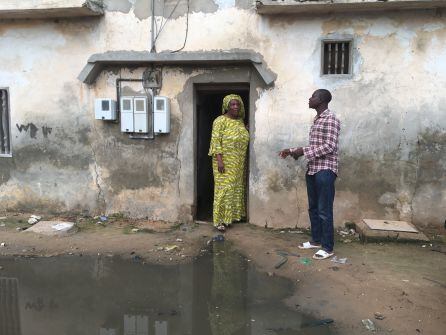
[
  {"x": 336, "y": 6},
  {"x": 47, "y": 9},
  {"x": 97, "y": 62}
]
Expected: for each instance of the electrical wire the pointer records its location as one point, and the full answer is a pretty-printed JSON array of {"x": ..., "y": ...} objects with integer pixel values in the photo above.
[
  {"x": 169, "y": 17},
  {"x": 187, "y": 29}
]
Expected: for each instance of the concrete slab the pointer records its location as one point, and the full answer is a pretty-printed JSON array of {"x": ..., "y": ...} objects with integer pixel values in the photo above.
[
  {"x": 49, "y": 9},
  {"x": 401, "y": 226},
  {"x": 370, "y": 235},
  {"x": 53, "y": 228},
  {"x": 97, "y": 62},
  {"x": 306, "y": 7}
]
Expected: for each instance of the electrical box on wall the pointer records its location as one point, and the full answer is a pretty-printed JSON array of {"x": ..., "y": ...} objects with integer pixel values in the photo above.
[
  {"x": 161, "y": 115},
  {"x": 134, "y": 115},
  {"x": 105, "y": 109},
  {"x": 140, "y": 116},
  {"x": 127, "y": 123}
]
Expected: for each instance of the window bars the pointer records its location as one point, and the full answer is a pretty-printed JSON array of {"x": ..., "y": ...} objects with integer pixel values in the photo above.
[
  {"x": 336, "y": 57},
  {"x": 5, "y": 138}
]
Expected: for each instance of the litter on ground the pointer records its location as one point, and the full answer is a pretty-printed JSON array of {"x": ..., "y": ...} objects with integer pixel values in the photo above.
[
  {"x": 335, "y": 259},
  {"x": 170, "y": 247},
  {"x": 369, "y": 325}
]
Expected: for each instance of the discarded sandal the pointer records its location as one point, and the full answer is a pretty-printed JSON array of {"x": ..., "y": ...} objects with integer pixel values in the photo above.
[
  {"x": 322, "y": 254},
  {"x": 309, "y": 245}
]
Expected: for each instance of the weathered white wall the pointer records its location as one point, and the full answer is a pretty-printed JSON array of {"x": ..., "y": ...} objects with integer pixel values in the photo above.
[{"x": 393, "y": 138}]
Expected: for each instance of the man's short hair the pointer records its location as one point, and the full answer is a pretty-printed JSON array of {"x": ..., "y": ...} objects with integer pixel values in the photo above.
[{"x": 324, "y": 95}]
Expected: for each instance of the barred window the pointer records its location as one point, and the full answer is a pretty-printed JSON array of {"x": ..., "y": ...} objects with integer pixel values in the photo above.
[
  {"x": 336, "y": 57},
  {"x": 5, "y": 133}
]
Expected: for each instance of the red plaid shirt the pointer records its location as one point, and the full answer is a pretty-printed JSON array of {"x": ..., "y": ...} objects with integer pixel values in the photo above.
[{"x": 322, "y": 153}]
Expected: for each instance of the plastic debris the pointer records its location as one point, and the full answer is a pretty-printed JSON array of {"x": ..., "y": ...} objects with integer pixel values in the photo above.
[
  {"x": 335, "y": 259},
  {"x": 281, "y": 262},
  {"x": 170, "y": 247},
  {"x": 218, "y": 238},
  {"x": 3, "y": 244},
  {"x": 135, "y": 230},
  {"x": 179, "y": 240},
  {"x": 33, "y": 219},
  {"x": 305, "y": 261},
  {"x": 103, "y": 218},
  {"x": 379, "y": 316},
  {"x": 369, "y": 325}
]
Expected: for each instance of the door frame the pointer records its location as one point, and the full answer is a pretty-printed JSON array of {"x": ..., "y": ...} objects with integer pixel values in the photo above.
[{"x": 219, "y": 87}]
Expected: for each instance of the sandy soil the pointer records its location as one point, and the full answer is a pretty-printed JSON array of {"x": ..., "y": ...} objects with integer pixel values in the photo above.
[{"x": 406, "y": 283}]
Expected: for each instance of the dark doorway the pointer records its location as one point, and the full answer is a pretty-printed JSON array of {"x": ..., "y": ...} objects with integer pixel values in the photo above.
[{"x": 209, "y": 100}]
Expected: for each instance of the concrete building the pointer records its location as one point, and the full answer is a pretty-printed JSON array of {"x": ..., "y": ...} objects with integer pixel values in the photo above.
[{"x": 385, "y": 63}]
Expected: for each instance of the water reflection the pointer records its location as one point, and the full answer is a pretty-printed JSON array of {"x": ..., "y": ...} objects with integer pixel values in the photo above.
[
  {"x": 219, "y": 294},
  {"x": 9, "y": 307}
]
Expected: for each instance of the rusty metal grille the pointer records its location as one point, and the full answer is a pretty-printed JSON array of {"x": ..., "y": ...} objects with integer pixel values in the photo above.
[
  {"x": 5, "y": 138},
  {"x": 9, "y": 306},
  {"x": 336, "y": 57}
]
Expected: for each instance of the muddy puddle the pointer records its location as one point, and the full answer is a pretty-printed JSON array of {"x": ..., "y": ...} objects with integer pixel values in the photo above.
[{"x": 221, "y": 293}]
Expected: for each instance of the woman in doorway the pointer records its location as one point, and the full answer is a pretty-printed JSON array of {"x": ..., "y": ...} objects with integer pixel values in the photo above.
[{"x": 229, "y": 143}]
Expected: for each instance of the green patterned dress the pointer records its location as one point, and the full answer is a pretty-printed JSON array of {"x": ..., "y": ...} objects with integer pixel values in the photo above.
[{"x": 229, "y": 138}]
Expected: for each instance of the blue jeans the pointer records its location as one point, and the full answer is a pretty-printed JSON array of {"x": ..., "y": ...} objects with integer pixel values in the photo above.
[{"x": 321, "y": 193}]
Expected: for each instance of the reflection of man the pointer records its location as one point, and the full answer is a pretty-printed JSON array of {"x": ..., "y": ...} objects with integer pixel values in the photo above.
[{"x": 322, "y": 156}]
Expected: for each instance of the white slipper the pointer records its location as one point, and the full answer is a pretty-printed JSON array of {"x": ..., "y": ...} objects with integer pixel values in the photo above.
[
  {"x": 308, "y": 245},
  {"x": 322, "y": 254}
]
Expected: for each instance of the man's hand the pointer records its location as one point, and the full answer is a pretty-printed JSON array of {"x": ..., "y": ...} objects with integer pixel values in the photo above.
[
  {"x": 296, "y": 153},
  {"x": 220, "y": 165},
  {"x": 284, "y": 153}
]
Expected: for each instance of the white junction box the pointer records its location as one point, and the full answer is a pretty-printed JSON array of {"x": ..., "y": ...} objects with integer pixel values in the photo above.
[
  {"x": 161, "y": 115},
  {"x": 105, "y": 109},
  {"x": 134, "y": 115},
  {"x": 140, "y": 115},
  {"x": 127, "y": 123}
]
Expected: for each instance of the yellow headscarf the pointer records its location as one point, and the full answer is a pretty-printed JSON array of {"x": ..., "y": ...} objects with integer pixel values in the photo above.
[{"x": 225, "y": 105}]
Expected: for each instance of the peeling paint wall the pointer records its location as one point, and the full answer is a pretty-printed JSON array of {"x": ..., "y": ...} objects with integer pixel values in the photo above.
[{"x": 393, "y": 142}]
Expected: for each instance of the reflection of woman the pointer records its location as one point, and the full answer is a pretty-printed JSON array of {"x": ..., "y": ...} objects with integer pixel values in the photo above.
[
  {"x": 228, "y": 310},
  {"x": 229, "y": 143}
]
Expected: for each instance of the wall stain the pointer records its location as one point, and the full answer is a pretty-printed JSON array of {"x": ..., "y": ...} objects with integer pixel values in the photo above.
[{"x": 46, "y": 131}]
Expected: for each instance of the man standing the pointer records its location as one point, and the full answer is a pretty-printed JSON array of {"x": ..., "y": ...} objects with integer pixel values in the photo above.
[{"x": 322, "y": 157}]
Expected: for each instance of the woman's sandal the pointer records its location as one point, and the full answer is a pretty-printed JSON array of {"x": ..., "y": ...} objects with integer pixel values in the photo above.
[{"x": 322, "y": 254}]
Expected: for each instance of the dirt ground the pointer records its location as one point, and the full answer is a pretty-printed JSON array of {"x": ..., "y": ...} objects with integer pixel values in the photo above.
[{"x": 404, "y": 282}]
